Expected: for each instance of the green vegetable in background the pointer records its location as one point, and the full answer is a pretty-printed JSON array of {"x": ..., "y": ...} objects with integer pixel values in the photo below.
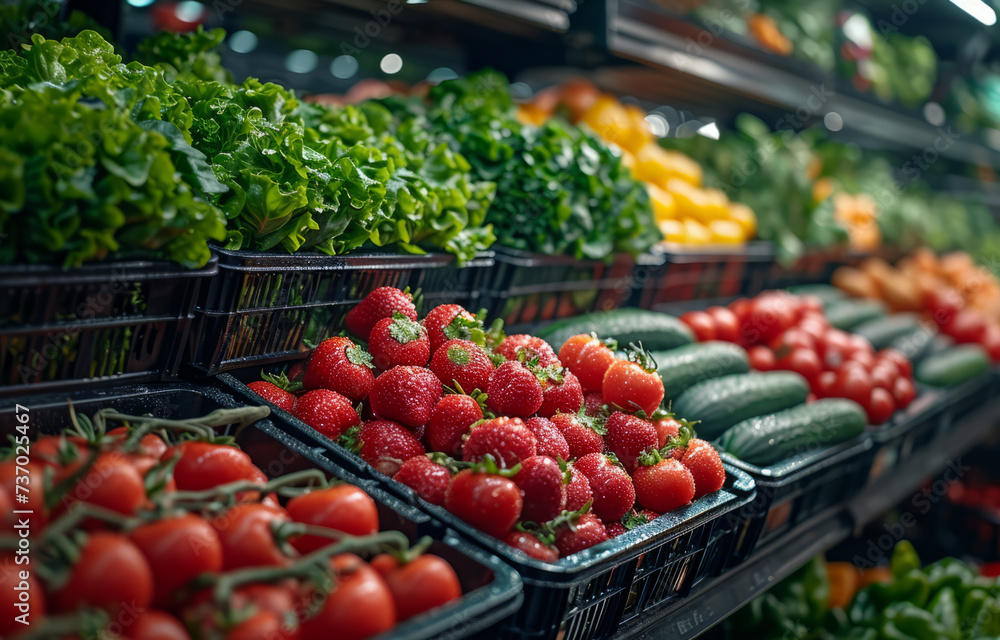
[{"x": 186, "y": 55}]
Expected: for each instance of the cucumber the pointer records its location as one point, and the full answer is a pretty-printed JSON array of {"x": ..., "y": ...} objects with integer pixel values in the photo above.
[
  {"x": 847, "y": 314},
  {"x": 685, "y": 366},
  {"x": 720, "y": 403},
  {"x": 825, "y": 292},
  {"x": 655, "y": 330},
  {"x": 880, "y": 332},
  {"x": 768, "y": 439},
  {"x": 915, "y": 344},
  {"x": 953, "y": 366}
]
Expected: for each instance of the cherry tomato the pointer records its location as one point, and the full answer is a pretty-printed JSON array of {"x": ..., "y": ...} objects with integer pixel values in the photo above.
[
  {"x": 149, "y": 445},
  {"x": 991, "y": 341},
  {"x": 727, "y": 325},
  {"x": 360, "y": 606},
  {"x": 814, "y": 328},
  {"x": 263, "y": 625},
  {"x": 633, "y": 385},
  {"x": 740, "y": 308},
  {"x": 31, "y": 480},
  {"x": 804, "y": 362},
  {"x": 246, "y": 532},
  {"x": 790, "y": 340},
  {"x": 11, "y": 588},
  {"x": 178, "y": 550},
  {"x": 944, "y": 304},
  {"x": 110, "y": 574},
  {"x": 204, "y": 465},
  {"x": 884, "y": 375},
  {"x": 902, "y": 363},
  {"x": 853, "y": 383},
  {"x": 202, "y": 616},
  {"x": 420, "y": 585},
  {"x": 761, "y": 358},
  {"x": 769, "y": 316},
  {"x": 858, "y": 344},
  {"x": 488, "y": 502},
  {"x": 153, "y": 624},
  {"x": 880, "y": 406},
  {"x": 862, "y": 357},
  {"x": 903, "y": 392},
  {"x": 701, "y": 324},
  {"x": 810, "y": 304},
  {"x": 55, "y": 451},
  {"x": 111, "y": 482},
  {"x": 343, "y": 507},
  {"x": 968, "y": 325},
  {"x": 823, "y": 387}
]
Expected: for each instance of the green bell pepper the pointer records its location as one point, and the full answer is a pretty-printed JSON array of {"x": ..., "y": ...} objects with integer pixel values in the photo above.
[
  {"x": 944, "y": 607},
  {"x": 948, "y": 573},
  {"x": 905, "y": 621},
  {"x": 904, "y": 559}
]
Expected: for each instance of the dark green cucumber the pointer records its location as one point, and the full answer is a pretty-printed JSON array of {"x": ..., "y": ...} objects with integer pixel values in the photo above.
[
  {"x": 686, "y": 366},
  {"x": 825, "y": 292},
  {"x": 655, "y": 330},
  {"x": 768, "y": 439},
  {"x": 847, "y": 314},
  {"x": 720, "y": 403},
  {"x": 953, "y": 366},
  {"x": 880, "y": 332},
  {"x": 915, "y": 344}
]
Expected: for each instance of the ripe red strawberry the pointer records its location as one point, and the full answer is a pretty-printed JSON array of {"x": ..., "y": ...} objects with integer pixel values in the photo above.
[
  {"x": 487, "y": 501},
  {"x": 441, "y": 317},
  {"x": 383, "y": 444},
  {"x": 550, "y": 441},
  {"x": 506, "y": 439},
  {"x": 527, "y": 348},
  {"x": 327, "y": 412},
  {"x": 428, "y": 479},
  {"x": 705, "y": 465},
  {"x": 513, "y": 391},
  {"x": 589, "y": 530},
  {"x": 583, "y": 435},
  {"x": 589, "y": 359},
  {"x": 543, "y": 488},
  {"x": 628, "y": 437},
  {"x": 340, "y": 365},
  {"x": 530, "y": 545},
  {"x": 662, "y": 484},
  {"x": 593, "y": 403},
  {"x": 295, "y": 371},
  {"x": 561, "y": 393},
  {"x": 635, "y": 518},
  {"x": 634, "y": 384},
  {"x": 450, "y": 420},
  {"x": 666, "y": 428},
  {"x": 578, "y": 492},
  {"x": 406, "y": 395},
  {"x": 615, "y": 529},
  {"x": 380, "y": 303},
  {"x": 273, "y": 394},
  {"x": 464, "y": 363},
  {"x": 399, "y": 341},
  {"x": 612, "y": 487}
]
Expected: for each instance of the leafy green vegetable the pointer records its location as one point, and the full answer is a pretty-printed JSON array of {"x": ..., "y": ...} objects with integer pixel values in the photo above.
[{"x": 186, "y": 56}]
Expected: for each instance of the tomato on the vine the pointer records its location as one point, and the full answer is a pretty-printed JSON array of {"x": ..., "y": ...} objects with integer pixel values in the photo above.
[
  {"x": 246, "y": 532},
  {"x": 420, "y": 585},
  {"x": 769, "y": 315},
  {"x": 153, "y": 624},
  {"x": 727, "y": 325},
  {"x": 761, "y": 358},
  {"x": 342, "y": 507},
  {"x": 701, "y": 324},
  {"x": 802, "y": 361},
  {"x": 853, "y": 383},
  {"x": 361, "y": 605},
  {"x": 884, "y": 374},
  {"x": 862, "y": 357},
  {"x": 204, "y": 465},
  {"x": 111, "y": 482},
  {"x": 902, "y": 363},
  {"x": 178, "y": 550},
  {"x": 110, "y": 573},
  {"x": 794, "y": 338}
]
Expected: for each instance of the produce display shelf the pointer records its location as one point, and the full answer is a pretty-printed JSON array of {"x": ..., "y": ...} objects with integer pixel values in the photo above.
[{"x": 714, "y": 600}]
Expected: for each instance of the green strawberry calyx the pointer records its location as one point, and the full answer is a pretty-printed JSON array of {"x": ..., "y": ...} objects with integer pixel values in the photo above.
[
  {"x": 639, "y": 355},
  {"x": 403, "y": 330}
]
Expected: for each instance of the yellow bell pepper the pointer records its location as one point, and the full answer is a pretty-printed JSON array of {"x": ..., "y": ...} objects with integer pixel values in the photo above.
[
  {"x": 658, "y": 165},
  {"x": 704, "y": 205},
  {"x": 745, "y": 217},
  {"x": 726, "y": 232},
  {"x": 608, "y": 118},
  {"x": 695, "y": 232},
  {"x": 637, "y": 135},
  {"x": 672, "y": 230},
  {"x": 663, "y": 203},
  {"x": 716, "y": 206}
]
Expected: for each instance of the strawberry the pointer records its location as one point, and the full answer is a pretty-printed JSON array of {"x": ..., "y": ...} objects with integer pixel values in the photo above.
[
  {"x": 485, "y": 498},
  {"x": 428, "y": 479},
  {"x": 614, "y": 494},
  {"x": 583, "y": 434},
  {"x": 561, "y": 393},
  {"x": 460, "y": 363},
  {"x": 529, "y": 544},
  {"x": 593, "y": 403},
  {"x": 628, "y": 437},
  {"x": 273, "y": 394},
  {"x": 340, "y": 365},
  {"x": 527, "y": 348},
  {"x": 441, "y": 317},
  {"x": 543, "y": 488},
  {"x": 615, "y": 529},
  {"x": 399, "y": 341},
  {"x": 662, "y": 484},
  {"x": 705, "y": 465},
  {"x": 507, "y": 440},
  {"x": 327, "y": 411},
  {"x": 666, "y": 428},
  {"x": 578, "y": 491},
  {"x": 634, "y": 384},
  {"x": 514, "y": 391},
  {"x": 550, "y": 441},
  {"x": 587, "y": 531},
  {"x": 294, "y": 373},
  {"x": 450, "y": 420},
  {"x": 406, "y": 395},
  {"x": 380, "y": 303},
  {"x": 634, "y": 518},
  {"x": 383, "y": 444},
  {"x": 589, "y": 359}
]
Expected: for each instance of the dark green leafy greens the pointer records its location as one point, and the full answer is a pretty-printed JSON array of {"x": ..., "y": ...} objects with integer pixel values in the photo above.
[{"x": 188, "y": 56}]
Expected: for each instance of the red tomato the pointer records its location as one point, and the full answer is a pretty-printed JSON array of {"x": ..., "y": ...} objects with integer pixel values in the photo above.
[
  {"x": 633, "y": 385},
  {"x": 991, "y": 341},
  {"x": 204, "y": 465},
  {"x": 31, "y": 479},
  {"x": 701, "y": 324},
  {"x": 884, "y": 375},
  {"x": 111, "y": 482},
  {"x": 55, "y": 451},
  {"x": 246, "y": 532},
  {"x": 804, "y": 362},
  {"x": 419, "y": 585},
  {"x": 201, "y": 613},
  {"x": 835, "y": 341},
  {"x": 342, "y": 507},
  {"x": 814, "y": 327},
  {"x": 810, "y": 304},
  {"x": 968, "y": 325},
  {"x": 178, "y": 549},
  {"x": 727, "y": 325},
  {"x": 11, "y": 588},
  {"x": 880, "y": 406},
  {"x": 853, "y": 383},
  {"x": 150, "y": 444},
  {"x": 944, "y": 304},
  {"x": 110, "y": 574},
  {"x": 862, "y": 357},
  {"x": 769, "y": 316},
  {"x": 858, "y": 344},
  {"x": 152, "y": 624},
  {"x": 790, "y": 340},
  {"x": 263, "y": 625},
  {"x": 903, "y": 392},
  {"x": 359, "y": 607},
  {"x": 902, "y": 363},
  {"x": 740, "y": 308},
  {"x": 761, "y": 358},
  {"x": 823, "y": 386}
]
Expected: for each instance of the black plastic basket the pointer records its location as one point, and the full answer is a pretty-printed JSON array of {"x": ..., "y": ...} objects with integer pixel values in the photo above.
[
  {"x": 589, "y": 594},
  {"x": 794, "y": 490},
  {"x": 909, "y": 432},
  {"x": 667, "y": 276},
  {"x": 266, "y": 308},
  {"x": 813, "y": 267},
  {"x": 492, "y": 589},
  {"x": 529, "y": 287},
  {"x": 963, "y": 398},
  {"x": 61, "y": 329}
]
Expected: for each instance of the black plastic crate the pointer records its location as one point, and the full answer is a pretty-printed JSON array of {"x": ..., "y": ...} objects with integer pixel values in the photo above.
[
  {"x": 589, "y": 594},
  {"x": 266, "y": 308},
  {"x": 909, "y": 432},
  {"x": 794, "y": 490},
  {"x": 530, "y": 287},
  {"x": 666, "y": 276},
  {"x": 63, "y": 328},
  {"x": 814, "y": 266},
  {"x": 963, "y": 398},
  {"x": 492, "y": 590}
]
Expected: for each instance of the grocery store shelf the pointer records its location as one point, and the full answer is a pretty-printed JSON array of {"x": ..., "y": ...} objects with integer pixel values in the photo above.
[{"x": 714, "y": 600}]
